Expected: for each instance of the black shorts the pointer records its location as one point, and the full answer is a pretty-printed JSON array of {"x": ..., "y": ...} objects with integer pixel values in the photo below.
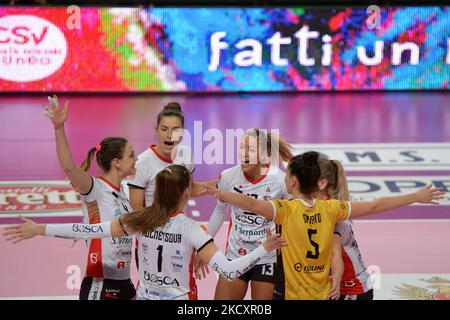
[
  {"x": 260, "y": 272},
  {"x": 364, "y": 296},
  {"x": 106, "y": 289}
]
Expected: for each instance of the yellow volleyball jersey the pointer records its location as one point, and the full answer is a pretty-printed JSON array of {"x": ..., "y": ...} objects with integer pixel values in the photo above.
[{"x": 303, "y": 267}]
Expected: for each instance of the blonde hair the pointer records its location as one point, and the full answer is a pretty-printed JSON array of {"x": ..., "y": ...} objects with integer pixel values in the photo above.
[
  {"x": 272, "y": 144},
  {"x": 333, "y": 171}
]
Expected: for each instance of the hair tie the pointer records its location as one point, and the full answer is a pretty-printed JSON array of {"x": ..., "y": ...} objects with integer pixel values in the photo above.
[
  {"x": 168, "y": 170},
  {"x": 98, "y": 148}
]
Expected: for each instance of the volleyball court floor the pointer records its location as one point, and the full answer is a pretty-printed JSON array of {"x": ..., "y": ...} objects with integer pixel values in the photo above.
[{"x": 389, "y": 143}]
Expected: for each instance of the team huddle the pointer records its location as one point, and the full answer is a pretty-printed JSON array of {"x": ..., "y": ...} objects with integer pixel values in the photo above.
[{"x": 289, "y": 233}]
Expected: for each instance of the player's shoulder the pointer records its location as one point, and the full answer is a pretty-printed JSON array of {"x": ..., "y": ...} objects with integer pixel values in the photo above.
[
  {"x": 285, "y": 203},
  {"x": 276, "y": 173},
  {"x": 231, "y": 174},
  {"x": 145, "y": 155},
  {"x": 187, "y": 223}
]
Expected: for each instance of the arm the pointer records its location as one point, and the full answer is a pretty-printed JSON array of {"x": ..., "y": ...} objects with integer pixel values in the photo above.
[
  {"x": 427, "y": 195},
  {"x": 231, "y": 270},
  {"x": 79, "y": 178},
  {"x": 137, "y": 197},
  {"x": 217, "y": 218},
  {"x": 337, "y": 268},
  {"x": 261, "y": 207},
  {"x": 198, "y": 188},
  {"x": 30, "y": 229}
]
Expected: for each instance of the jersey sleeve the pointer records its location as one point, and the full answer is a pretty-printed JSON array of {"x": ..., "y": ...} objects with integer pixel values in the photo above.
[
  {"x": 221, "y": 184},
  {"x": 341, "y": 210},
  {"x": 282, "y": 210},
  {"x": 140, "y": 179},
  {"x": 94, "y": 192},
  {"x": 198, "y": 235}
]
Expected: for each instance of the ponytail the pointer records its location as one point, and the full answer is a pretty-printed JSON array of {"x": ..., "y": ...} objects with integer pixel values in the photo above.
[
  {"x": 340, "y": 191},
  {"x": 88, "y": 161},
  {"x": 109, "y": 149},
  {"x": 278, "y": 148},
  {"x": 333, "y": 172},
  {"x": 272, "y": 145}
]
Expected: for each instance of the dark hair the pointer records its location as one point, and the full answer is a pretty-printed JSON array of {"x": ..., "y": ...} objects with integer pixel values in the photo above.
[
  {"x": 272, "y": 144},
  {"x": 171, "y": 182},
  {"x": 172, "y": 109},
  {"x": 110, "y": 149},
  {"x": 307, "y": 170}
]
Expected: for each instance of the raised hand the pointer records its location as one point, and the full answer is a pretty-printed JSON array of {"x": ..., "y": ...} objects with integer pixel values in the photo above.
[
  {"x": 274, "y": 241},
  {"x": 429, "y": 195},
  {"x": 27, "y": 230},
  {"x": 54, "y": 112}
]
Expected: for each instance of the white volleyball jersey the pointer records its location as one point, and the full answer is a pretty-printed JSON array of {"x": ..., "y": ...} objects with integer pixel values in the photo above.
[
  {"x": 356, "y": 279},
  {"x": 108, "y": 258},
  {"x": 166, "y": 259},
  {"x": 248, "y": 230},
  {"x": 150, "y": 163}
]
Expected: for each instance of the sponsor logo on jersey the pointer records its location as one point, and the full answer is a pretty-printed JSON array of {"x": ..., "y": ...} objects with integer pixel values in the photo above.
[
  {"x": 39, "y": 198},
  {"x": 93, "y": 258},
  {"x": 177, "y": 267},
  {"x": 178, "y": 255},
  {"x": 309, "y": 268},
  {"x": 251, "y": 219},
  {"x": 145, "y": 260},
  {"x": 121, "y": 241},
  {"x": 242, "y": 251},
  {"x": 161, "y": 280},
  {"x": 314, "y": 269},
  {"x": 249, "y": 232},
  {"x": 123, "y": 253}
]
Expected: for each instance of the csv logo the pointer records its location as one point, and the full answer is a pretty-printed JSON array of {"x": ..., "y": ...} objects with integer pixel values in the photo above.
[
  {"x": 31, "y": 48},
  {"x": 374, "y": 17}
]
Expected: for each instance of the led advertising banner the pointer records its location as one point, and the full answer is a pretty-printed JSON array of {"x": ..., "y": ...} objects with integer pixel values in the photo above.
[{"x": 223, "y": 49}]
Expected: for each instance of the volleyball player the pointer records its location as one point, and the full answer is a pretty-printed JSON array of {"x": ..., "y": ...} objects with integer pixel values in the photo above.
[
  {"x": 107, "y": 274},
  {"x": 167, "y": 240},
  {"x": 307, "y": 224},
  {"x": 356, "y": 283},
  {"x": 167, "y": 151},
  {"x": 257, "y": 177}
]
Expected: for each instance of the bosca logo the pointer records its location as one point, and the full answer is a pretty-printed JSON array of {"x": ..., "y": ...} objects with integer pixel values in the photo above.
[{"x": 39, "y": 197}]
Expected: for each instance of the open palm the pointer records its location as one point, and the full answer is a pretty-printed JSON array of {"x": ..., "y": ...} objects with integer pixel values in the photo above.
[{"x": 54, "y": 112}]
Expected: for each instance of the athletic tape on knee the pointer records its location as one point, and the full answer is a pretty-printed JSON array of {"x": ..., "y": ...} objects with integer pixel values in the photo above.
[
  {"x": 231, "y": 270},
  {"x": 79, "y": 231}
]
